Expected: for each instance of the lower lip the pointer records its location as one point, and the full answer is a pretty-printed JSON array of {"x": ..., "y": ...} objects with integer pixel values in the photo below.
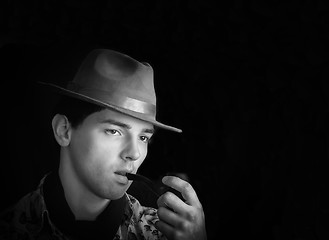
[{"x": 122, "y": 179}]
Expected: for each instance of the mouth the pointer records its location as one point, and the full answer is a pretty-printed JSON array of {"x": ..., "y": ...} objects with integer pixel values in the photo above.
[
  {"x": 122, "y": 173},
  {"x": 122, "y": 177}
]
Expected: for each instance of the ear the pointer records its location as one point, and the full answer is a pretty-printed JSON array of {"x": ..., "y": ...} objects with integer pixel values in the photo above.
[{"x": 61, "y": 129}]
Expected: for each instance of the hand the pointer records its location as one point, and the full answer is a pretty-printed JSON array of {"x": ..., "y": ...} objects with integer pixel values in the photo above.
[{"x": 178, "y": 219}]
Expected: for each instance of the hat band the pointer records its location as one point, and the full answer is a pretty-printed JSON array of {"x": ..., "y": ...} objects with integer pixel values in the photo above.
[{"x": 115, "y": 99}]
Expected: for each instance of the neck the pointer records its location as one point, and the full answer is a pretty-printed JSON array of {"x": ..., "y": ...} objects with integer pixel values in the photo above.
[{"x": 84, "y": 204}]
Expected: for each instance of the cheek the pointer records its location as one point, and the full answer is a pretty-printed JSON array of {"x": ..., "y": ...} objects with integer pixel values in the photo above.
[
  {"x": 81, "y": 146},
  {"x": 89, "y": 151},
  {"x": 93, "y": 161}
]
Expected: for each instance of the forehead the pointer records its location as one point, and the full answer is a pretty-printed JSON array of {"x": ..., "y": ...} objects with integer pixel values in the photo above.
[{"x": 105, "y": 115}]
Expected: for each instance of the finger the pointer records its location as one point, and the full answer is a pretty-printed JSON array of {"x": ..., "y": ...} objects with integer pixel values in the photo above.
[
  {"x": 169, "y": 217},
  {"x": 171, "y": 201},
  {"x": 184, "y": 187},
  {"x": 165, "y": 228}
]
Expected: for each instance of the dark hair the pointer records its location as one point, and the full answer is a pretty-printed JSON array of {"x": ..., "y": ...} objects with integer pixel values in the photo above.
[{"x": 75, "y": 110}]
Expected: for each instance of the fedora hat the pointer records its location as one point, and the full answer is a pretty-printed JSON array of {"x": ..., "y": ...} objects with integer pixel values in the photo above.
[{"x": 116, "y": 81}]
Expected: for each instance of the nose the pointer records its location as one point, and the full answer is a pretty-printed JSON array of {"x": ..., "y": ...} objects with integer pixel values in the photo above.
[{"x": 131, "y": 151}]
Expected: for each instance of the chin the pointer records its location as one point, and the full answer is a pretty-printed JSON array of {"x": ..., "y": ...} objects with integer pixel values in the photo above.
[{"x": 114, "y": 196}]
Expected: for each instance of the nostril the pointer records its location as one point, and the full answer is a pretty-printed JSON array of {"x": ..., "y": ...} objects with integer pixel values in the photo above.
[
  {"x": 132, "y": 157},
  {"x": 132, "y": 149}
]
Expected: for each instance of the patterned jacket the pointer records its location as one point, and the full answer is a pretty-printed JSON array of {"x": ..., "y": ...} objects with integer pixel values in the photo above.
[{"x": 29, "y": 219}]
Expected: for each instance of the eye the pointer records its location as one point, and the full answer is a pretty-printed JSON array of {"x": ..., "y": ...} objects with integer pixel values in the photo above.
[
  {"x": 112, "y": 132},
  {"x": 145, "y": 139}
]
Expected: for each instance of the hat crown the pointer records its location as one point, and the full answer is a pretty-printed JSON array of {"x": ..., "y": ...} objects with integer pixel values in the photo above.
[
  {"x": 116, "y": 73},
  {"x": 117, "y": 80}
]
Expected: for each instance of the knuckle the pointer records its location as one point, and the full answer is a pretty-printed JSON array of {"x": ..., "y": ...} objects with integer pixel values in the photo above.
[
  {"x": 184, "y": 225},
  {"x": 167, "y": 196},
  {"x": 192, "y": 216},
  {"x": 160, "y": 211},
  {"x": 177, "y": 235},
  {"x": 186, "y": 187},
  {"x": 195, "y": 214}
]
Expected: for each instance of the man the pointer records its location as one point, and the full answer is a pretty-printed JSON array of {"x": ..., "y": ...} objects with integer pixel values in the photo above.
[{"x": 103, "y": 125}]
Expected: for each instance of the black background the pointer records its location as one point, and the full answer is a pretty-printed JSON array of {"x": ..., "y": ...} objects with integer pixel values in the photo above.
[{"x": 247, "y": 81}]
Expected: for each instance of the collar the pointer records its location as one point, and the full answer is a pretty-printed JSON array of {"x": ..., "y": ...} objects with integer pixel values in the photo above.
[{"x": 105, "y": 225}]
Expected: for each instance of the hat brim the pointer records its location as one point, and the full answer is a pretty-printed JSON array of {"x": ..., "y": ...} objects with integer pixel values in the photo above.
[{"x": 134, "y": 114}]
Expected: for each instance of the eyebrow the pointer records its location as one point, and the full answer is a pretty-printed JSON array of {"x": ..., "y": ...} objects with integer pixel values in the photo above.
[{"x": 126, "y": 126}]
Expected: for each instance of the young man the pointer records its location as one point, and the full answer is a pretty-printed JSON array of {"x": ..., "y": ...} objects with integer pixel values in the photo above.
[{"x": 103, "y": 126}]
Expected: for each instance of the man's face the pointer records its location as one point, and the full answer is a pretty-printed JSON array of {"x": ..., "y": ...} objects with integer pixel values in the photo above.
[{"x": 104, "y": 147}]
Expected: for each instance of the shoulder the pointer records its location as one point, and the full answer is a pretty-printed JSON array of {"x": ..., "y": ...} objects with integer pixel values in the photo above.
[
  {"x": 142, "y": 220},
  {"x": 23, "y": 217}
]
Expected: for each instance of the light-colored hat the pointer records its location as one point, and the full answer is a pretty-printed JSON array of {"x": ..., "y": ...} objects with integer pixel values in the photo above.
[{"x": 115, "y": 80}]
